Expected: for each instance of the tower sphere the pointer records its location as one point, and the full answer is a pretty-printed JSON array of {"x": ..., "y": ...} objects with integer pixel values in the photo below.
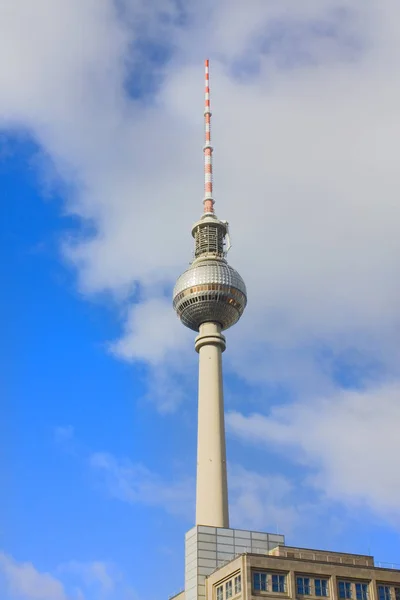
[{"x": 209, "y": 291}]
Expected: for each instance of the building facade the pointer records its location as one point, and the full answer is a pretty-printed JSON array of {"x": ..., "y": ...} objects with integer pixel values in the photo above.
[{"x": 302, "y": 574}]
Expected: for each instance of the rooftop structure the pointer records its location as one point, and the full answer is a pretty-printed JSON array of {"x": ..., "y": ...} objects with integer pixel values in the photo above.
[{"x": 210, "y": 548}]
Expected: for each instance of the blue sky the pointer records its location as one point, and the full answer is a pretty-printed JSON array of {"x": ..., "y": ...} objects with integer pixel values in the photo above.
[
  {"x": 56, "y": 371},
  {"x": 101, "y": 179}
]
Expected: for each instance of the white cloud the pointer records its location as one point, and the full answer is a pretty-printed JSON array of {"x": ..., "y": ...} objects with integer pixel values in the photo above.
[
  {"x": 24, "y": 581},
  {"x": 348, "y": 443},
  {"x": 257, "y": 501},
  {"x": 70, "y": 581},
  {"x": 95, "y": 573},
  {"x": 136, "y": 484},
  {"x": 315, "y": 141},
  {"x": 262, "y": 502},
  {"x": 150, "y": 334},
  {"x": 64, "y": 433}
]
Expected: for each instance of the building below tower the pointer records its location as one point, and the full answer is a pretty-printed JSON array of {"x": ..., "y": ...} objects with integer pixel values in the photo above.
[
  {"x": 233, "y": 564},
  {"x": 209, "y": 548}
]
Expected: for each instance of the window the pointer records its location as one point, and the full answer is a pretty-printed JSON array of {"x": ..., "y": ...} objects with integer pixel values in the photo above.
[
  {"x": 260, "y": 582},
  {"x": 397, "y": 593},
  {"x": 321, "y": 587},
  {"x": 228, "y": 589},
  {"x": 384, "y": 592},
  {"x": 344, "y": 589},
  {"x": 303, "y": 586},
  {"x": 273, "y": 582},
  {"x": 278, "y": 583},
  {"x": 362, "y": 591},
  {"x": 238, "y": 584},
  {"x": 220, "y": 592}
]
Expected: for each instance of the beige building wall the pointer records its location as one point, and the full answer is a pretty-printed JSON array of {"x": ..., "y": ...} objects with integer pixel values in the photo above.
[{"x": 356, "y": 575}]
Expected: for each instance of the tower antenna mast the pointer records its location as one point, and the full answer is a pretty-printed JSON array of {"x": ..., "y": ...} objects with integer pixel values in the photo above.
[{"x": 208, "y": 149}]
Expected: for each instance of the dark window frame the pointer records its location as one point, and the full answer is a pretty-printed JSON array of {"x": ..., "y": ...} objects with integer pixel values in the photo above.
[
  {"x": 321, "y": 588},
  {"x": 262, "y": 580},
  {"x": 345, "y": 591},
  {"x": 278, "y": 583},
  {"x": 303, "y": 586}
]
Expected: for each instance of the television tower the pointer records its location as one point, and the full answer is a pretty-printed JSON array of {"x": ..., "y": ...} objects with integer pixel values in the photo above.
[{"x": 209, "y": 297}]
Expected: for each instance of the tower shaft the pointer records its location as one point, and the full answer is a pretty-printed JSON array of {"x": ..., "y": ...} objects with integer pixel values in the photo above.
[{"x": 212, "y": 486}]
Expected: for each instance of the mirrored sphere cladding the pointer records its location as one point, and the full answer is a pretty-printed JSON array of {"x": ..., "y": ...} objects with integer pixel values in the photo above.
[{"x": 209, "y": 291}]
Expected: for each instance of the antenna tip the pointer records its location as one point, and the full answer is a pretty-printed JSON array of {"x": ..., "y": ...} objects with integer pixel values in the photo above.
[{"x": 206, "y": 62}]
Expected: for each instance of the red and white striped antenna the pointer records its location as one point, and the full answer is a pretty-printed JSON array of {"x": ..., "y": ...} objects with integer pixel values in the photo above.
[{"x": 208, "y": 149}]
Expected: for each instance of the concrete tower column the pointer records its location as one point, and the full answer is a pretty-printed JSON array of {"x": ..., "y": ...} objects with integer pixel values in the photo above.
[{"x": 212, "y": 486}]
